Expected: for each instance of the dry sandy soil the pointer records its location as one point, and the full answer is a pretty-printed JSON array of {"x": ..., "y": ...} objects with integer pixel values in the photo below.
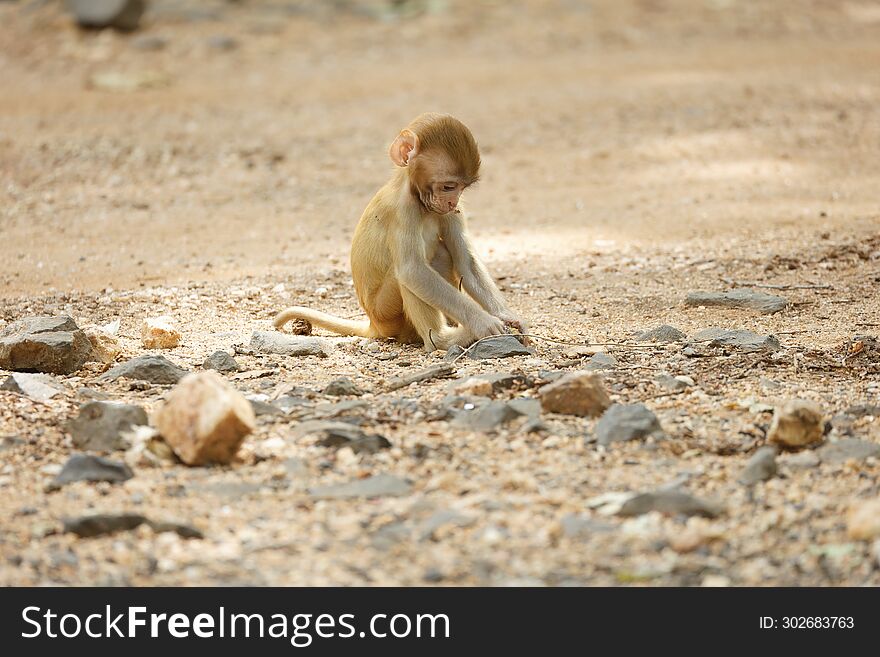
[{"x": 633, "y": 151}]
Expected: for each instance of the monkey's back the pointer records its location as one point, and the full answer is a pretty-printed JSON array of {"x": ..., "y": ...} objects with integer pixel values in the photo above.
[{"x": 370, "y": 251}]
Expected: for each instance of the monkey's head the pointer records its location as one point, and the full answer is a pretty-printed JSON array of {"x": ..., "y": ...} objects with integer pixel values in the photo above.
[{"x": 441, "y": 157}]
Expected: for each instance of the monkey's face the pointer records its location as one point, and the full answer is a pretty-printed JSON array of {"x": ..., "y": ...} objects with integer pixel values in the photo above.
[{"x": 437, "y": 181}]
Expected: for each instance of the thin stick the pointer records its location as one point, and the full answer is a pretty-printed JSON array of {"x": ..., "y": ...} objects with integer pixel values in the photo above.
[{"x": 438, "y": 371}]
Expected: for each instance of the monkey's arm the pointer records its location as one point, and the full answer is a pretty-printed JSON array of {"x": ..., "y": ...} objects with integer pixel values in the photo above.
[
  {"x": 415, "y": 274},
  {"x": 475, "y": 277}
]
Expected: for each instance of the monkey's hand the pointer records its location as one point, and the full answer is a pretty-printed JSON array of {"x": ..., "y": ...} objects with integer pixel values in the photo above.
[
  {"x": 485, "y": 326},
  {"x": 513, "y": 321}
]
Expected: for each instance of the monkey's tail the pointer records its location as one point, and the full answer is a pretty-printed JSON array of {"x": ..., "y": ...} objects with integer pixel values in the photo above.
[{"x": 357, "y": 327}]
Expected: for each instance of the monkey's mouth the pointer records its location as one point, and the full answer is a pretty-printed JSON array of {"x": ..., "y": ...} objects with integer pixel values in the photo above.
[{"x": 432, "y": 205}]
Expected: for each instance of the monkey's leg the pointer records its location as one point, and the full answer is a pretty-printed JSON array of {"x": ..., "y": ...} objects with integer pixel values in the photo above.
[{"x": 428, "y": 323}]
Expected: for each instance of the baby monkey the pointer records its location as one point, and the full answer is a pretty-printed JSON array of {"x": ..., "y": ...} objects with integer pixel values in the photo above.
[{"x": 415, "y": 270}]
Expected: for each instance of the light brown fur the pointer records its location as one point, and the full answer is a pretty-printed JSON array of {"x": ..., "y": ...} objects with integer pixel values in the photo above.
[{"x": 411, "y": 250}]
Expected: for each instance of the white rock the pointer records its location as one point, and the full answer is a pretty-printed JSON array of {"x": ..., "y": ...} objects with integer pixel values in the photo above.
[
  {"x": 38, "y": 387},
  {"x": 797, "y": 423},
  {"x": 159, "y": 333},
  {"x": 105, "y": 346},
  {"x": 205, "y": 419},
  {"x": 575, "y": 393},
  {"x": 474, "y": 386}
]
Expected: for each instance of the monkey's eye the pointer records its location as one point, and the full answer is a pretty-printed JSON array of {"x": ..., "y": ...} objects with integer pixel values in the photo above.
[{"x": 449, "y": 187}]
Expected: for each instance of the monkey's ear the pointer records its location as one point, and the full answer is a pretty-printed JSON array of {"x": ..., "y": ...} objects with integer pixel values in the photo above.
[{"x": 404, "y": 147}]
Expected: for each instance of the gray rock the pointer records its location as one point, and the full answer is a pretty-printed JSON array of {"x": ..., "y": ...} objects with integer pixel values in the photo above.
[
  {"x": 323, "y": 428},
  {"x": 369, "y": 444},
  {"x": 846, "y": 449},
  {"x": 626, "y": 422},
  {"x": 85, "y": 467},
  {"x": 120, "y": 14},
  {"x": 486, "y": 417},
  {"x": 499, "y": 346},
  {"x": 761, "y": 467},
  {"x": 54, "y": 345},
  {"x": 272, "y": 342},
  {"x": 381, "y": 485},
  {"x": 802, "y": 460},
  {"x": 152, "y": 368},
  {"x": 578, "y": 525},
  {"x": 342, "y": 387},
  {"x": 669, "y": 501},
  {"x": 739, "y": 298},
  {"x": 100, "y": 425},
  {"x": 184, "y": 531},
  {"x": 261, "y": 408},
  {"x": 335, "y": 435},
  {"x": 527, "y": 406},
  {"x": 743, "y": 340},
  {"x": 288, "y": 403},
  {"x": 453, "y": 352},
  {"x": 222, "y": 362},
  {"x": 101, "y": 524},
  {"x": 670, "y": 383},
  {"x": 389, "y": 535},
  {"x": 861, "y": 410},
  {"x": 441, "y": 519},
  {"x": 39, "y": 387},
  {"x": 664, "y": 333},
  {"x": 601, "y": 361},
  {"x": 343, "y": 408}
]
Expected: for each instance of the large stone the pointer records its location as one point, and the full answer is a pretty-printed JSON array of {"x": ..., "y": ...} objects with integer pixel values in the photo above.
[
  {"x": 486, "y": 417},
  {"x": 848, "y": 448},
  {"x": 101, "y": 524},
  {"x": 39, "y": 387},
  {"x": 120, "y": 14},
  {"x": 342, "y": 387},
  {"x": 575, "y": 393},
  {"x": 44, "y": 344},
  {"x": 342, "y": 434},
  {"x": 86, "y": 467},
  {"x": 204, "y": 419},
  {"x": 272, "y": 342},
  {"x": 152, "y": 368},
  {"x": 761, "y": 467},
  {"x": 627, "y": 422},
  {"x": 670, "y": 502},
  {"x": 474, "y": 386},
  {"x": 740, "y": 298},
  {"x": 105, "y": 347},
  {"x": 747, "y": 341},
  {"x": 664, "y": 333},
  {"x": 863, "y": 520},
  {"x": 221, "y": 362},
  {"x": 159, "y": 333},
  {"x": 101, "y": 425},
  {"x": 498, "y": 346},
  {"x": 797, "y": 423},
  {"x": 381, "y": 485},
  {"x": 601, "y": 361}
]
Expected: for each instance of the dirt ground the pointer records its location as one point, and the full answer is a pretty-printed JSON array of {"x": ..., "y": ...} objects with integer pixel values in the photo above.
[{"x": 212, "y": 166}]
